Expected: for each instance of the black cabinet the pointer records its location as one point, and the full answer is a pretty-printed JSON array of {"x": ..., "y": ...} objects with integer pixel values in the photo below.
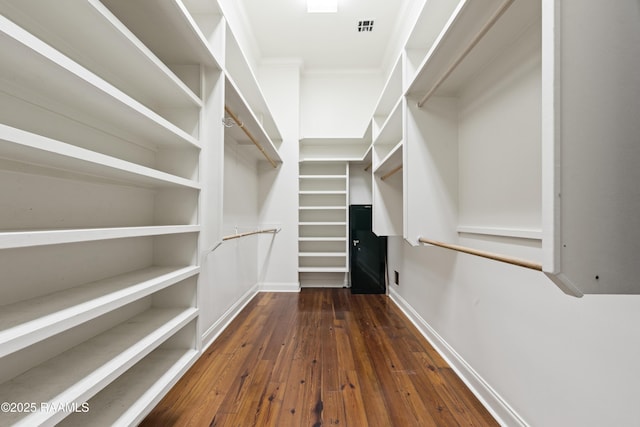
[{"x": 368, "y": 253}]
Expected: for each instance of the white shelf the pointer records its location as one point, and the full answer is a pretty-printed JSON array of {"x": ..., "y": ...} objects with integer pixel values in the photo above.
[
  {"x": 322, "y": 208},
  {"x": 237, "y": 68},
  {"x": 391, "y": 161},
  {"x": 27, "y": 322},
  {"x": 322, "y": 239},
  {"x": 322, "y": 223},
  {"x": 322, "y": 254},
  {"x": 465, "y": 23},
  {"x": 167, "y": 28},
  {"x": 337, "y": 141},
  {"x": 239, "y": 106},
  {"x": 354, "y": 158},
  {"x": 93, "y": 36},
  {"x": 100, "y": 108},
  {"x": 79, "y": 92},
  {"x": 428, "y": 25},
  {"x": 391, "y": 92},
  {"x": 532, "y": 234},
  {"x": 77, "y": 374},
  {"x": 26, "y": 147},
  {"x": 322, "y": 192},
  {"x": 127, "y": 400},
  {"x": 323, "y": 218},
  {"x": 323, "y": 269},
  {"x": 320, "y": 177},
  {"x": 22, "y": 239},
  {"x": 391, "y": 130}
]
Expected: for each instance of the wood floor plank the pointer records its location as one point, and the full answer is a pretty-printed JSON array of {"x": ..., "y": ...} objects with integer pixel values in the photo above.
[
  {"x": 322, "y": 357},
  {"x": 367, "y": 383},
  {"x": 387, "y": 367},
  {"x": 291, "y": 410},
  {"x": 353, "y": 400}
]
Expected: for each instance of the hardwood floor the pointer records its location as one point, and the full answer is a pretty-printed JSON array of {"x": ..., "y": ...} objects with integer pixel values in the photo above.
[{"x": 322, "y": 357}]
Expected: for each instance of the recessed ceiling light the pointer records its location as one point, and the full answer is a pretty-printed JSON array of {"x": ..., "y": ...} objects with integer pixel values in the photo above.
[{"x": 322, "y": 6}]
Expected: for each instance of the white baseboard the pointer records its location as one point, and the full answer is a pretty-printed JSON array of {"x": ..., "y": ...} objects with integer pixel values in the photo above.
[
  {"x": 221, "y": 324},
  {"x": 501, "y": 411},
  {"x": 279, "y": 287}
]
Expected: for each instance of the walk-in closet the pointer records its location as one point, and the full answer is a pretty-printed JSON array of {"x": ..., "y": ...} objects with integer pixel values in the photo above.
[{"x": 176, "y": 182}]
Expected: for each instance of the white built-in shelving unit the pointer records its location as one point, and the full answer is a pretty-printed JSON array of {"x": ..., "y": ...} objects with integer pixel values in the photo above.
[
  {"x": 323, "y": 222},
  {"x": 590, "y": 143},
  {"x": 243, "y": 89},
  {"x": 497, "y": 132},
  {"x": 105, "y": 112},
  {"x": 264, "y": 147},
  {"x": 251, "y": 141},
  {"x": 387, "y": 158},
  {"x": 473, "y": 124},
  {"x": 99, "y": 140}
]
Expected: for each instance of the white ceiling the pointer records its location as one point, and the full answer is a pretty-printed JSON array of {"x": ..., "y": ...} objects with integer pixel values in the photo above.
[{"x": 284, "y": 29}]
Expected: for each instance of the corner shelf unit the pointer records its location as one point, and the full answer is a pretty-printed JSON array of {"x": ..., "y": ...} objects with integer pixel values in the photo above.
[
  {"x": 100, "y": 140},
  {"x": 323, "y": 222}
]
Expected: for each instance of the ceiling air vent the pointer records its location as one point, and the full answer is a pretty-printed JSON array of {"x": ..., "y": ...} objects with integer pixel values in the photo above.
[{"x": 364, "y": 26}]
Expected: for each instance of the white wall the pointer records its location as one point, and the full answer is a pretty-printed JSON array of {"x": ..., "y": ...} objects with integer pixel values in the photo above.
[
  {"x": 278, "y": 201},
  {"x": 499, "y": 134},
  {"x": 232, "y": 269},
  {"x": 359, "y": 185},
  {"x": 338, "y": 104},
  {"x": 556, "y": 360},
  {"x": 238, "y": 21}
]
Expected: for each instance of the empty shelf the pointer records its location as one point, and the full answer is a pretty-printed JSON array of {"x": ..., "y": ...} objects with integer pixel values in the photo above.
[
  {"x": 21, "y": 239},
  {"x": 77, "y": 374},
  {"x": 33, "y": 320},
  {"x": 26, "y": 147},
  {"x": 94, "y": 35},
  {"x": 323, "y": 269},
  {"x": 34, "y": 64},
  {"x": 323, "y": 254},
  {"x": 127, "y": 400}
]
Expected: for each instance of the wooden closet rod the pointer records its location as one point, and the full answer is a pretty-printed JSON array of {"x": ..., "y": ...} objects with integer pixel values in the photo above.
[
  {"x": 250, "y": 233},
  {"x": 368, "y": 167},
  {"x": 485, "y": 29},
  {"x": 489, "y": 255},
  {"x": 391, "y": 172},
  {"x": 246, "y": 131}
]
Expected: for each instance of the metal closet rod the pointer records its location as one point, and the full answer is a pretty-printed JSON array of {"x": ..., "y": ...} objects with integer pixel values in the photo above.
[
  {"x": 239, "y": 235},
  {"x": 251, "y": 137},
  {"x": 391, "y": 172},
  {"x": 484, "y": 30},
  {"x": 496, "y": 257},
  {"x": 250, "y": 233}
]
